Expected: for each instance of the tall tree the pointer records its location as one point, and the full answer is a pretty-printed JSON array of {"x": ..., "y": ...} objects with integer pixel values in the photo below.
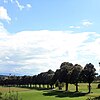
[
  {"x": 55, "y": 76},
  {"x": 48, "y": 77},
  {"x": 75, "y": 75},
  {"x": 88, "y": 74},
  {"x": 34, "y": 80},
  {"x": 65, "y": 73}
]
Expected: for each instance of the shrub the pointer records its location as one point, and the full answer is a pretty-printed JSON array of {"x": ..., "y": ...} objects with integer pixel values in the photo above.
[
  {"x": 0, "y": 95},
  {"x": 9, "y": 96},
  {"x": 99, "y": 86}
]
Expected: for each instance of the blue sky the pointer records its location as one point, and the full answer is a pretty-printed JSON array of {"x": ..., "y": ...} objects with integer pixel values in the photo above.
[
  {"x": 37, "y": 35},
  {"x": 51, "y": 14}
]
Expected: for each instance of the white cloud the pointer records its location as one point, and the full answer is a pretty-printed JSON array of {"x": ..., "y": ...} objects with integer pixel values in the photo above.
[
  {"x": 4, "y": 15},
  {"x": 19, "y": 5},
  {"x": 6, "y": 1},
  {"x": 36, "y": 51},
  {"x": 11, "y": 0},
  {"x": 77, "y": 27},
  {"x": 3, "y": 31},
  {"x": 7, "y": 58},
  {"x": 86, "y": 23},
  {"x": 28, "y": 5}
]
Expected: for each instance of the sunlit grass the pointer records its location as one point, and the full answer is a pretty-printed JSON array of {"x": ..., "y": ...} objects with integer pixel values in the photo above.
[
  {"x": 32, "y": 94},
  {"x": 15, "y": 89}
]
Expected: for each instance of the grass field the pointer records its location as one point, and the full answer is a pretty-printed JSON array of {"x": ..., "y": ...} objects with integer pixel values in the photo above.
[{"x": 32, "y": 94}]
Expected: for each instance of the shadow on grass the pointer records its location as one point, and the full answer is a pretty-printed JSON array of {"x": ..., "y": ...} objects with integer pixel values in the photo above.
[
  {"x": 96, "y": 98},
  {"x": 62, "y": 94}
]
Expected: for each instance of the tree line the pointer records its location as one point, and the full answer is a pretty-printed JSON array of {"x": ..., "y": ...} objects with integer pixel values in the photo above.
[{"x": 67, "y": 74}]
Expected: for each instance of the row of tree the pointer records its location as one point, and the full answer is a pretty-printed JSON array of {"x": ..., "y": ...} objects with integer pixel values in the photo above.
[{"x": 67, "y": 73}]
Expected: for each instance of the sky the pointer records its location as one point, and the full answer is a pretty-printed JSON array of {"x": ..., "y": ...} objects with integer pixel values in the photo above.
[{"x": 38, "y": 35}]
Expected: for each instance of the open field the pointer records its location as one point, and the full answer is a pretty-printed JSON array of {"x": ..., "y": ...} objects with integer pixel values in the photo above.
[
  {"x": 32, "y": 94},
  {"x": 15, "y": 89}
]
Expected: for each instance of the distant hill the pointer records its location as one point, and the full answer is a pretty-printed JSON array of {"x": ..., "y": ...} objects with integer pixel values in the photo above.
[
  {"x": 2, "y": 75},
  {"x": 7, "y": 74}
]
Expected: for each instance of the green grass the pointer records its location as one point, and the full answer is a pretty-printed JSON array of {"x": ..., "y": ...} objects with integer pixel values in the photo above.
[
  {"x": 7, "y": 89},
  {"x": 32, "y": 94},
  {"x": 49, "y": 95}
]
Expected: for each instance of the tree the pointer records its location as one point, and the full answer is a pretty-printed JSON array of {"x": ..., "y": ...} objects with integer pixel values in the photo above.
[
  {"x": 34, "y": 80},
  {"x": 55, "y": 77},
  {"x": 74, "y": 78},
  {"x": 25, "y": 80},
  {"x": 1, "y": 80},
  {"x": 48, "y": 77},
  {"x": 45, "y": 78},
  {"x": 40, "y": 79},
  {"x": 65, "y": 73},
  {"x": 18, "y": 80},
  {"x": 88, "y": 74}
]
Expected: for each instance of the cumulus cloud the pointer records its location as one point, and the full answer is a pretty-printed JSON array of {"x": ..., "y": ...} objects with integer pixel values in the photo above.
[
  {"x": 4, "y": 14},
  {"x": 31, "y": 52},
  {"x": 3, "y": 31},
  {"x": 86, "y": 23}
]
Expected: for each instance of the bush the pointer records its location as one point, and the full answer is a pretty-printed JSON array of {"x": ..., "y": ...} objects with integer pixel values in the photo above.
[
  {"x": 0, "y": 95},
  {"x": 9, "y": 96},
  {"x": 99, "y": 86}
]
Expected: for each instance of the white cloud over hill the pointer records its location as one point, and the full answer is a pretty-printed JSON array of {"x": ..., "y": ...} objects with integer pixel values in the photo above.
[{"x": 31, "y": 52}]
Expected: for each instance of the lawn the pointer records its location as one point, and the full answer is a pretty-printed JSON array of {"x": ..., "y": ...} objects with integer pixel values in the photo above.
[
  {"x": 32, "y": 94},
  {"x": 15, "y": 89}
]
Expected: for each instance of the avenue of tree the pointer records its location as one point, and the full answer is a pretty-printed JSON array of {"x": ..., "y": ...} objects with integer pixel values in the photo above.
[{"x": 66, "y": 74}]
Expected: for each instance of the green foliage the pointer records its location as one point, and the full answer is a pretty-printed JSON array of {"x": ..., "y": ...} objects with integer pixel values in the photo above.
[
  {"x": 88, "y": 74},
  {"x": 0, "y": 95},
  {"x": 9, "y": 96}
]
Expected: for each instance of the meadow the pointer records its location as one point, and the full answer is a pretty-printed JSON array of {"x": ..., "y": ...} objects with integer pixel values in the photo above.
[{"x": 43, "y": 94}]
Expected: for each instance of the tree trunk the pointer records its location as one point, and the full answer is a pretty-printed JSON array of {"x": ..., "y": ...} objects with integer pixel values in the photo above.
[
  {"x": 48, "y": 86},
  {"x": 76, "y": 87},
  {"x": 51, "y": 86},
  {"x": 89, "y": 87},
  {"x": 43, "y": 86},
  {"x": 30, "y": 85},
  {"x": 66, "y": 86},
  {"x": 35, "y": 86},
  {"x": 39, "y": 85}
]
